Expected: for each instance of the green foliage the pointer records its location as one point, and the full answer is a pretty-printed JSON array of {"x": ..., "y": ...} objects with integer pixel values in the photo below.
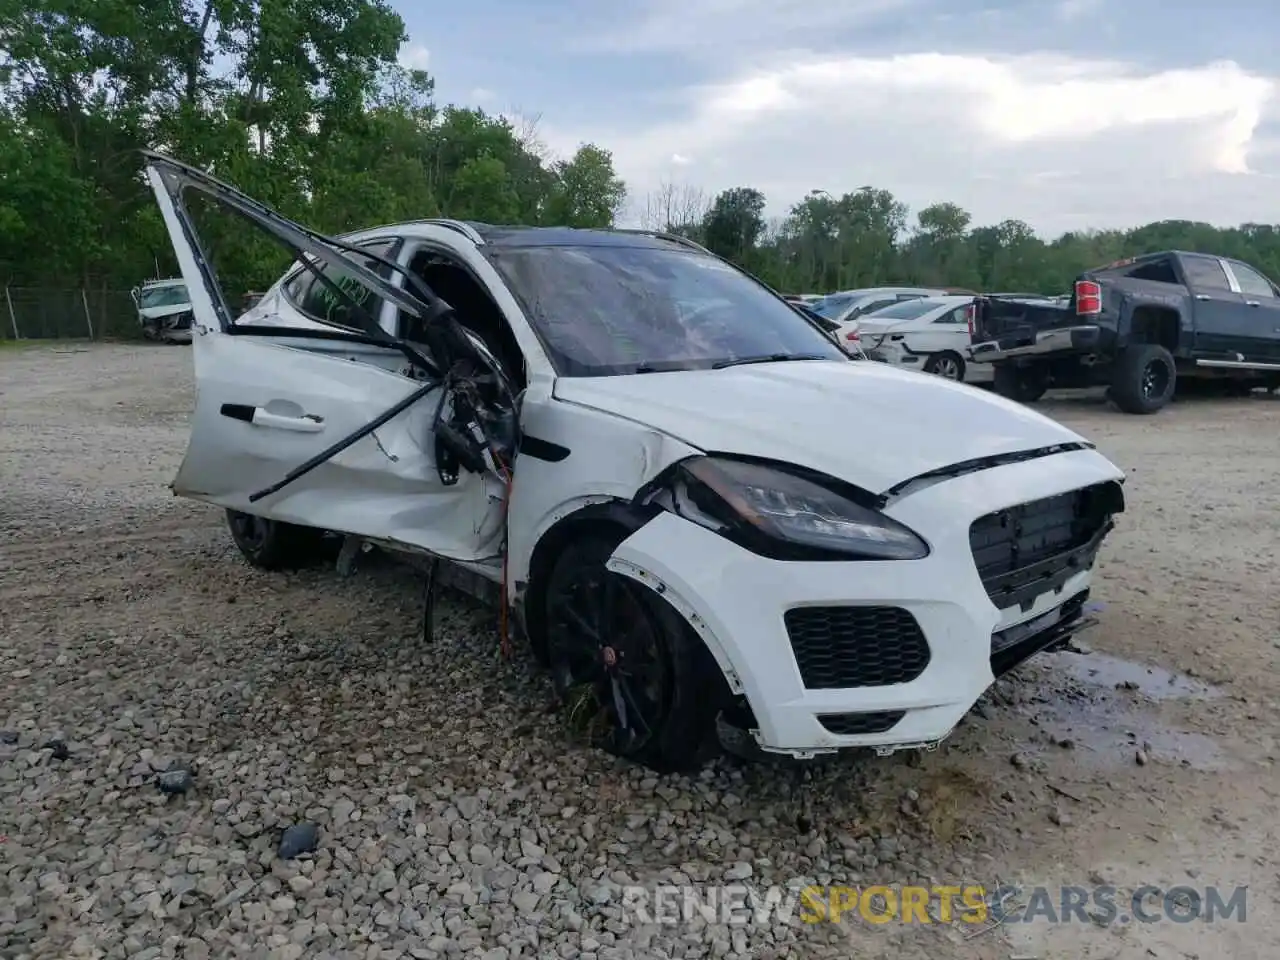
[
  {"x": 861, "y": 240},
  {"x": 301, "y": 104},
  {"x": 586, "y": 193},
  {"x": 735, "y": 223}
]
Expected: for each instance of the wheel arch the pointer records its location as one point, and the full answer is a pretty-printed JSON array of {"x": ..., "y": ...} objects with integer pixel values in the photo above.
[
  {"x": 1155, "y": 324},
  {"x": 620, "y": 519},
  {"x": 617, "y": 517}
]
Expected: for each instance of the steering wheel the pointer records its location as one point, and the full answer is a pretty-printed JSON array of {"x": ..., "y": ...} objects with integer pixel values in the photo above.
[{"x": 497, "y": 375}]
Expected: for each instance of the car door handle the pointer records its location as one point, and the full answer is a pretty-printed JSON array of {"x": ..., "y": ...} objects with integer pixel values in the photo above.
[
  {"x": 1202, "y": 296},
  {"x": 1251, "y": 303},
  {"x": 259, "y": 417},
  {"x": 303, "y": 424}
]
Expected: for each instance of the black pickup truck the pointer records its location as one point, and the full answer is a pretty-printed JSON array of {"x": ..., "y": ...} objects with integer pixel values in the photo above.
[{"x": 1139, "y": 327}]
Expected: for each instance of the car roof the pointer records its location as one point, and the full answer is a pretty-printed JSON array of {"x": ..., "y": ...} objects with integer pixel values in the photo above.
[
  {"x": 514, "y": 236},
  {"x": 872, "y": 291},
  {"x": 931, "y": 305},
  {"x": 176, "y": 281},
  {"x": 572, "y": 237}
]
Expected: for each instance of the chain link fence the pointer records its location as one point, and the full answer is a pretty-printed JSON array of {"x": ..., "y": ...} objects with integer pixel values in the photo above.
[{"x": 68, "y": 313}]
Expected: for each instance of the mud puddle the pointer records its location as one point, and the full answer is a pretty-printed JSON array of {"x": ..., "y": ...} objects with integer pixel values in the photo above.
[
  {"x": 1108, "y": 711},
  {"x": 1156, "y": 683}
]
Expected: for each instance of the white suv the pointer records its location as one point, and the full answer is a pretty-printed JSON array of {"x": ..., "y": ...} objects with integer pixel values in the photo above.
[{"x": 641, "y": 454}]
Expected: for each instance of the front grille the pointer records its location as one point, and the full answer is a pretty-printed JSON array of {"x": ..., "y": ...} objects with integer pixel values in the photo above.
[
  {"x": 853, "y": 724},
  {"x": 1013, "y": 645},
  {"x": 1025, "y": 551},
  {"x": 841, "y": 647}
]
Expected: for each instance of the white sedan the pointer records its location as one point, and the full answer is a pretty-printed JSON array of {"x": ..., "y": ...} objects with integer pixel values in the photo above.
[
  {"x": 930, "y": 335},
  {"x": 641, "y": 455}
]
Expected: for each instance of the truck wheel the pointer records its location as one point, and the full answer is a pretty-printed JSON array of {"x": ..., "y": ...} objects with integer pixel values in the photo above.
[
  {"x": 273, "y": 545},
  {"x": 1024, "y": 384},
  {"x": 948, "y": 365},
  {"x": 1145, "y": 378}
]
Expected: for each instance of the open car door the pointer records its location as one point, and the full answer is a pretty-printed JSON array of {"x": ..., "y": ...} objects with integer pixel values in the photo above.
[{"x": 354, "y": 432}]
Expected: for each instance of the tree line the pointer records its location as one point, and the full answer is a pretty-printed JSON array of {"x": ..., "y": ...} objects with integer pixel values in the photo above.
[{"x": 303, "y": 105}]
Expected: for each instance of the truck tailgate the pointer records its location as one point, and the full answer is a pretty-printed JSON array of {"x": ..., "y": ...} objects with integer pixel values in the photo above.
[{"x": 1015, "y": 323}]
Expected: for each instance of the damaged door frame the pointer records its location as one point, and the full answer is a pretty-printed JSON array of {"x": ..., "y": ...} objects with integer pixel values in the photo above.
[{"x": 447, "y": 340}]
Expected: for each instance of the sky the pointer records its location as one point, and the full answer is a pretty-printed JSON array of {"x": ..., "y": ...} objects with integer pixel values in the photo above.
[{"x": 1067, "y": 114}]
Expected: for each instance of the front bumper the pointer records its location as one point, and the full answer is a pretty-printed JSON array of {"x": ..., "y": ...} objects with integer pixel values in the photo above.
[
  {"x": 738, "y": 603},
  {"x": 175, "y": 327}
]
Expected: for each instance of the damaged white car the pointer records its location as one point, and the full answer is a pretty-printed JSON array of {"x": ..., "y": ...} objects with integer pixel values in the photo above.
[
  {"x": 644, "y": 453},
  {"x": 164, "y": 310}
]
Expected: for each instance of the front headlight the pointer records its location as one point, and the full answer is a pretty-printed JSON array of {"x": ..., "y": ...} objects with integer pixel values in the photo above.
[{"x": 781, "y": 514}]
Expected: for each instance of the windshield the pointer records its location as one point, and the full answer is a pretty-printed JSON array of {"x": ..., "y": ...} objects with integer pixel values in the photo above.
[
  {"x": 605, "y": 310},
  {"x": 904, "y": 310},
  {"x": 831, "y": 307},
  {"x": 163, "y": 296}
]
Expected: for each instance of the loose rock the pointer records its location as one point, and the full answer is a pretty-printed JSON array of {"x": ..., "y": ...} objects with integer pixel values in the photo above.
[{"x": 299, "y": 839}]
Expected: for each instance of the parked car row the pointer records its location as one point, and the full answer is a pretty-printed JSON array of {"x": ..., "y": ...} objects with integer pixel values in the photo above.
[
  {"x": 1139, "y": 327},
  {"x": 625, "y": 443},
  {"x": 916, "y": 328}
]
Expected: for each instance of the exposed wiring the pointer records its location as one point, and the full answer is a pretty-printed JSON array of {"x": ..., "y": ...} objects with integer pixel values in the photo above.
[
  {"x": 508, "y": 478},
  {"x": 504, "y": 630},
  {"x": 388, "y": 454}
]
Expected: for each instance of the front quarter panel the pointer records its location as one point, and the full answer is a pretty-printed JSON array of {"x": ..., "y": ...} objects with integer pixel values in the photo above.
[{"x": 609, "y": 459}]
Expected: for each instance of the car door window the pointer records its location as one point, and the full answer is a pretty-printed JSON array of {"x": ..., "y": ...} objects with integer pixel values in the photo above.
[
  {"x": 953, "y": 316},
  {"x": 1252, "y": 283},
  {"x": 319, "y": 302},
  {"x": 1205, "y": 273}
]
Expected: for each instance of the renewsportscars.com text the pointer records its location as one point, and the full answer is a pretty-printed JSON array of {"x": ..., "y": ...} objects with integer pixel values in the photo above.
[{"x": 736, "y": 904}]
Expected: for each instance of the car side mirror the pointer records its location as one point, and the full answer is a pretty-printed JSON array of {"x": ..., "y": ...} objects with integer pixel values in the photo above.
[{"x": 136, "y": 294}]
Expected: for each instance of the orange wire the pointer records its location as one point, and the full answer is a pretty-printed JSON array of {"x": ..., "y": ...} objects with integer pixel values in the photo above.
[{"x": 504, "y": 633}]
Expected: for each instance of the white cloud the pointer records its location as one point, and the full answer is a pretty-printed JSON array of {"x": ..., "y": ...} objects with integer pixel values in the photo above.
[
  {"x": 1060, "y": 142},
  {"x": 680, "y": 160},
  {"x": 481, "y": 95},
  {"x": 415, "y": 57}
]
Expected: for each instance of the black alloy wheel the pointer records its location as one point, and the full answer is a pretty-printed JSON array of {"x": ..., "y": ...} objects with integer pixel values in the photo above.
[
  {"x": 624, "y": 664},
  {"x": 1155, "y": 378},
  {"x": 275, "y": 545}
]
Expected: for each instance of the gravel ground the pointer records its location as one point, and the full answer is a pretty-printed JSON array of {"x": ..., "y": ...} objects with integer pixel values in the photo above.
[{"x": 458, "y": 817}]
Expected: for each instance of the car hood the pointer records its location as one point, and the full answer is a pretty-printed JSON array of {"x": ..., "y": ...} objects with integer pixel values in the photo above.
[
  {"x": 865, "y": 423},
  {"x": 151, "y": 313}
]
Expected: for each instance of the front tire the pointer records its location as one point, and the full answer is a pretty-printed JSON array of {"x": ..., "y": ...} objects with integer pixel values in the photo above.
[
  {"x": 272, "y": 544},
  {"x": 1144, "y": 380},
  {"x": 625, "y": 663}
]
